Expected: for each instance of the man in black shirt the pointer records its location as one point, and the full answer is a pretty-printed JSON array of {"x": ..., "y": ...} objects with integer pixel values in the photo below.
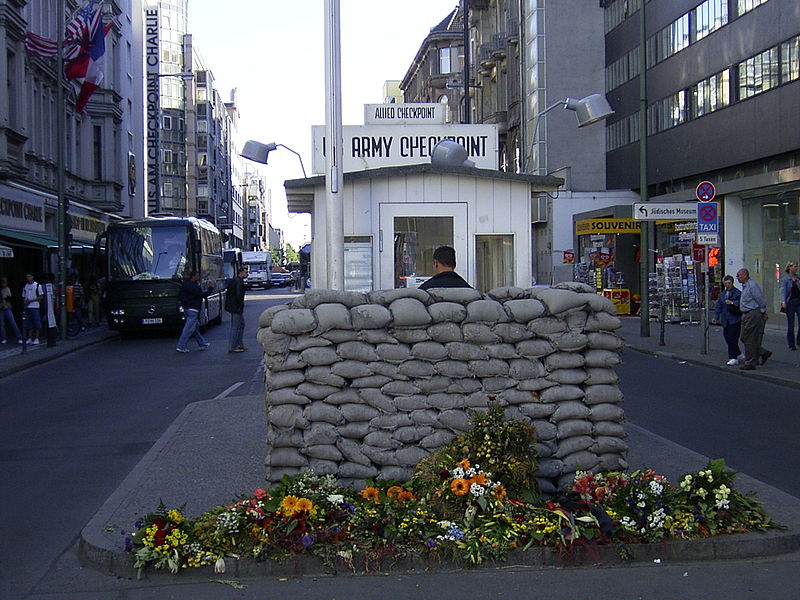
[
  {"x": 234, "y": 304},
  {"x": 444, "y": 263},
  {"x": 191, "y": 297}
]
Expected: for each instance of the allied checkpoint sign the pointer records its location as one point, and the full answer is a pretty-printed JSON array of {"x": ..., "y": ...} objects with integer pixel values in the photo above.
[{"x": 375, "y": 146}]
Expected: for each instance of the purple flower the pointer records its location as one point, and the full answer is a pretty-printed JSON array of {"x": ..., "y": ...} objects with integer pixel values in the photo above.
[
  {"x": 430, "y": 543},
  {"x": 306, "y": 540}
]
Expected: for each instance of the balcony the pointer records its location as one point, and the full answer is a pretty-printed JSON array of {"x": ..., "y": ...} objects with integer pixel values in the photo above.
[
  {"x": 512, "y": 30},
  {"x": 485, "y": 56},
  {"x": 499, "y": 45}
]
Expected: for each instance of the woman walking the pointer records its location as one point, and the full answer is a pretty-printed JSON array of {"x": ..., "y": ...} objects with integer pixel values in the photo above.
[
  {"x": 727, "y": 312},
  {"x": 790, "y": 304}
]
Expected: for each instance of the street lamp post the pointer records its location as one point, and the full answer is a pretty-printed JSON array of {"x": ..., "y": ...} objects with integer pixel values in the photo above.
[{"x": 644, "y": 239}]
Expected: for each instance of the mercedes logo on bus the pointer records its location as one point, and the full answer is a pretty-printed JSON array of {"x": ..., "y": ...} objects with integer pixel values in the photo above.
[{"x": 151, "y": 310}]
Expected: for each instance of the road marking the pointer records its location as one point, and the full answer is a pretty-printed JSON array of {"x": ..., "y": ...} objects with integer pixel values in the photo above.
[{"x": 229, "y": 390}]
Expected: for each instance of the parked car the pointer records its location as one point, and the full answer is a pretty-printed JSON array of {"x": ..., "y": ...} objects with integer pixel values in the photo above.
[{"x": 279, "y": 279}]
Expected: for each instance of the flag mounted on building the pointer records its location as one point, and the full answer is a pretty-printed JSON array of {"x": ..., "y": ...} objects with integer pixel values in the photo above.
[
  {"x": 40, "y": 45},
  {"x": 89, "y": 67}
]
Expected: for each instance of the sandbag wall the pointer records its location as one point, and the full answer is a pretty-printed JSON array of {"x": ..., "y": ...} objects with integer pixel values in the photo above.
[{"x": 366, "y": 385}]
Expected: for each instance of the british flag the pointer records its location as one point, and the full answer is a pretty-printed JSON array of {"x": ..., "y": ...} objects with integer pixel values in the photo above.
[{"x": 80, "y": 30}]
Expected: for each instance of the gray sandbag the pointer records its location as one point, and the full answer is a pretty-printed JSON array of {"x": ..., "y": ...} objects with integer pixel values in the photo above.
[
  {"x": 316, "y": 296},
  {"x": 417, "y": 368},
  {"x": 429, "y": 351},
  {"x": 516, "y": 396},
  {"x": 445, "y": 401},
  {"x": 457, "y": 295},
  {"x": 265, "y": 319},
  {"x": 387, "y": 369},
  {"x": 524, "y": 310},
  {"x": 598, "y": 303},
  {"x": 391, "y": 422},
  {"x": 354, "y": 413},
  {"x": 464, "y": 351},
  {"x": 457, "y": 420},
  {"x": 340, "y": 336},
  {"x": 350, "y": 369},
  {"x": 514, "y": 413},
  {"x": 351, "y": 451},
  {"x": 575, "y": 286},
  {"x": 602, "y": 321},
  {"x": 393, "y": 353},
  {"x": 391, "y": 473},
  {"x": 535, "y": 385},
  {"x": 501, "y": 294},
  {"x": 377, "y": 399},
  {"x": 479, "y": 399},
  {"x": 344, "y": 396},
  {"x": 489, "y": 368},
  {"x": 382, "y": 439},
  {"x": 410, "y": 455},
  {"x": 559, "y": 301},
  {"x": 560, "y": 393},
  {"x": 332, "y": 316},
  {"x": 610, "y": 428},
  {"x": 568, "y": 428},
  {"x": 547, "y": 326},
  {"x": 545, "y": 430},
  {"x": 287, "y": 438},
  {"x": 478, "y": 333},
  {"x": 437, "y": 439},
  {"x": 568, "y": 376},
  {"x": 601, "y": 376},
  {"x": 323, "y": 467},
  {"x": 412, "y": 434},
  {"x": 286, "y": 362},
  {"x": 284, "y": 379},
  {"x": 360, "y": 351},
  {"x": 601, "y": 358},
  {"x": 569, "y": 409},
  {"x": 400, "y": 388},
  {"x": 376, "y": 336},
  {"x": 324, "y": 376},
  {"x": 320, "y": 433},
  {"x": 425, "y": 417},
  {"x": 323, "y": 452},
  {"x": 302, "y": 342},
  {"x": 412, "y": 335},
  {"x": 452, "y": 368},
  {"x": 570, "y": 341},
  {"x": 437, "y": 383},
  {"x": 447, "y": 312},
  {"x": 287, "y": 416},
  {"x": 445, "y": 332},
  {"x": 549, "y": 467},
  {"x": 485, "y": 311},
  {"x": 286, "y": 396},
  {"x": 582, "y": 460},
  {"x": 597, "y": 394},
  {"x": 606, "y": 412},
  {"x": 316, "y": 391},
  {"x": 294, "y": 321},
  {"x": 605, "y": 340},
  {"x": 576, "y": 319},
  {"x": 534, "y": 348},
  {"x": 612, "y": 462},
  {"x": 511, "y": 333},
  {"x": 272, "y": 342},
  {"x": 564, "y": 360},
  {"x": 464, "y": 386},
  {"x": 526, "y": 368},
  {"x": 372, "y": 381},
  {"x": 287, "y": 457},
  {"x": 606, "y": 444},
  {"x": 380, "y": 456},
  {"x": 354, "y": 431},
  {"x": 409, "y": 312},
  {"x": 386, "y": 297},
  {"x": 409, "y": 403},
  {"x": 497, "y": 384},
  {"x": 502, "y": 351},
  {"x": 319, "y": 357},
  {"x": 275, "y": 474},
  {"x": 370, "y": 316},
  {"x": 353, "y": 470},
  {"x": 544, "y": 449},
  {"x": 536, "y": 410},
  {"x": 546, "y": 487},
  {"x": 319, "y": 411}
]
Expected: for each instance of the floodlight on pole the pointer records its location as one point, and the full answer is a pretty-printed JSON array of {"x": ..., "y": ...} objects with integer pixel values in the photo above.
[{"x": 258, "y": 152}]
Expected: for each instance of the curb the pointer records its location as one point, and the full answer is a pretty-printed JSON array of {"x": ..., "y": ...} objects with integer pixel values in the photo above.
[{"x": 47, "y": 357}]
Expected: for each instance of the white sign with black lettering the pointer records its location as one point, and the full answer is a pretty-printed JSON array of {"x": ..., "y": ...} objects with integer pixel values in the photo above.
[
  {"x": 414, "y": 113},
  {"x": 375, "y": 146}
]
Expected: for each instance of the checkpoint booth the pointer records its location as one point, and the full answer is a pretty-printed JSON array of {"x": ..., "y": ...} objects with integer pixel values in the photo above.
[{"x": 395, "y": 217}]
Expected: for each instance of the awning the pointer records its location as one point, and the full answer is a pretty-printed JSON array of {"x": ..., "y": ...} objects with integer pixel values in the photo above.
[
  {"x": 6, "y": 252},
  {"x": 37, "y": 240}
]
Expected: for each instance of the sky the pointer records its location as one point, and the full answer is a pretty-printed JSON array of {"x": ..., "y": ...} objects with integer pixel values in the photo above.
[{"x": 272, "y": 52}]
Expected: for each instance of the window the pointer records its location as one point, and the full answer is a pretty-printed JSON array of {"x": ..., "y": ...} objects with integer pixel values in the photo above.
[
  {"x": 711, "y": 94},
  {"x": 98, "y": 152},
  {"x": 666, "y": 113},
  {"x": 167, "y": 156},
  {"x": 670, "y": 40},
  {"x": 202, "y": 159},
  {"x": 758, "y": 74},
  {"x": 708, "y": 17},
  {"x": 167, "y": 122},
  {"x": 167, "y": 189},
  {"x": 744, "y": 6},
  {"x": 445, "y": 63},
  {"x": 202, "y": 126},
  {"x": 790, "y": 60},
  {"x": 494, "y": 261}
]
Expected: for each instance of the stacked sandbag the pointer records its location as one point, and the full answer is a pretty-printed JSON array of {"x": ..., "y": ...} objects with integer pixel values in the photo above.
[{"x": 366, "y": 385}]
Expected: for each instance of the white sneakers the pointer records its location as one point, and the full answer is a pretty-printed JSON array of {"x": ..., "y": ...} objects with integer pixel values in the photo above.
[
  {"x": 732, "y": 362},
  {"x": 35, "y": 342}
]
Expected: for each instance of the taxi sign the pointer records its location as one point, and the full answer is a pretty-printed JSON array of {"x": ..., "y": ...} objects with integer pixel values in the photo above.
[{"x": 708, "y": 217}]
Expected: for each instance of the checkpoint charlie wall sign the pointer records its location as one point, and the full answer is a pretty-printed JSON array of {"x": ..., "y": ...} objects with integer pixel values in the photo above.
[
  {"x": 376, "y": 146},
  {"x": 412, "y": 113}
]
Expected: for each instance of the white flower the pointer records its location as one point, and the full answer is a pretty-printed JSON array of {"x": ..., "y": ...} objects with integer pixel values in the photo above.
[
  {"x": 458, "y": 473},
  {"x": 656, "y": 487},
  {"x": 219, "y": 566},
  {"x": 336, "y": 498},
  {"x": 477, "y": 490},
  {"x": 702, "y": 492}
]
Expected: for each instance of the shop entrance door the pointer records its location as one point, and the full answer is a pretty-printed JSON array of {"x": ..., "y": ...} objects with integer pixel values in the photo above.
[{"x": 410, "y": 232}]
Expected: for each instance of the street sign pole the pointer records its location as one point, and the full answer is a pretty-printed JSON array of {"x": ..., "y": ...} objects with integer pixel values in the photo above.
[{"x": 704, "y": 272}]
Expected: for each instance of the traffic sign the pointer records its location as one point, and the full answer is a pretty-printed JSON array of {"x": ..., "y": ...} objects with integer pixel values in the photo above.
[
  {"x": 708, "y": 217},
  {"x": 665, "y": 211},
  {"x": 705, "y": 191},
  {"x": 708, "y": 239}
]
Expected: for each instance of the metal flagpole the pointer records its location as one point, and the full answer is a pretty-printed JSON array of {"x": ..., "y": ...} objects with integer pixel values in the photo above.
[
  {"x": 334, "y": 232},
  {"x": 61, "y": 108}
]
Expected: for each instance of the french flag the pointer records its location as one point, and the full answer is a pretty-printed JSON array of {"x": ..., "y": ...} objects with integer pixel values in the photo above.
[{"x": 89, "y": 67}]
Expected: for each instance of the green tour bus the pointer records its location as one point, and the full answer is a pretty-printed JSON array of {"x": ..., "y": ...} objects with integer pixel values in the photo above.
[{"x": 145, "y": 262}]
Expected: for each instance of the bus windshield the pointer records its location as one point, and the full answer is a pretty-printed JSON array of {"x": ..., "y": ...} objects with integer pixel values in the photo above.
[{"x": 141, "y": 253}]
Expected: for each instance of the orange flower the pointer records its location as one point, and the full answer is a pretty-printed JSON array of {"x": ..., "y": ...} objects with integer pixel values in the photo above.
[
  {"x": 405, "y": 495},
  {"x": 459, "y": 486},
  {"x": 499, "y": 492},
  {"x": 480, "y": 479},
  {"x": 303, "y": 504},
  {"x": 371, "y": 493},
  {"x": 289, "y": 504},
  {"x": 465, "y": 464},
  {"x": 393, "y": 491}
]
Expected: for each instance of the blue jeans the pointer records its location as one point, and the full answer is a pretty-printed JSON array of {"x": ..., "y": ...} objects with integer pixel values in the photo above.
[
  {"x": 237, "y": 331},
  {"x": 792, "y": 311},
  {"x": 191, "y": 329},
  {"x": 7, "y": 315}
]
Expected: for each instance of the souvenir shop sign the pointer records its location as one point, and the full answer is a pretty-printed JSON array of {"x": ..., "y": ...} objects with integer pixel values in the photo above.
[{"x": 601, "y": 226}]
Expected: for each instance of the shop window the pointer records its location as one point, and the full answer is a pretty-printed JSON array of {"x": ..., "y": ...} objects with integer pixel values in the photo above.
[{"x": 494, "y": 261}]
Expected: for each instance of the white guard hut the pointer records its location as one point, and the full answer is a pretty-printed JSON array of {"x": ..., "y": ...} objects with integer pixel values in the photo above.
[{"x": 395, "y": 217}]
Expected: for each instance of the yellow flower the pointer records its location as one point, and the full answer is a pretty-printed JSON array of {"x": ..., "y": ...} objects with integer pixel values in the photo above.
[
  {"x": 465, "y": 464},
  {"x": 175, "y": 516},
  {"x": 289, "y": 504},
  {"x": 303, "y": 504},
  {"x": 459, "y": 486},
  {"x": 500, "y": 492}
]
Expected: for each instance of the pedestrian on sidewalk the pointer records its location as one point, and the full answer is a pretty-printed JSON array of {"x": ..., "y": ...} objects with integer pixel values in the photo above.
[
  {"x": 234, "y": 304},
  {"x": 727, "y": 312},
  {"x": 7, "y": 314},
  {"x": 32, "y": 295},
  {"x": 191, "y": 296},
  {"x": 753, "y": 305},
  {"x": 790, "y": 304}
]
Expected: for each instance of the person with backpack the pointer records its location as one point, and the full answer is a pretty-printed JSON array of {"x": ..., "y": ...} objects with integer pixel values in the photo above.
[{"x": 32, "y": 295}]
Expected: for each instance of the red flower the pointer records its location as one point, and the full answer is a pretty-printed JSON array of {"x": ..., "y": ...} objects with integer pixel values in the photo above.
[
  {"x": 159, "y": 522},
  {"x": 261, "y": 494},
  {"x": 444, "y": 474},
  {"x": 550, "y": 505}
]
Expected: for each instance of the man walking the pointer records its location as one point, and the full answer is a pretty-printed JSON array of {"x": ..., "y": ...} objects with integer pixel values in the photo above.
[
  {"x": 753, "y": 305},
  {"x": 234, "y": 304},
  {"x": 191, "y": 297},
  {"x": 444, "y": 264}
]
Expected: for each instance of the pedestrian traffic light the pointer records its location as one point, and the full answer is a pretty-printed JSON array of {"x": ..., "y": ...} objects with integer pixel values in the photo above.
[{"x": 713, "y": 257}]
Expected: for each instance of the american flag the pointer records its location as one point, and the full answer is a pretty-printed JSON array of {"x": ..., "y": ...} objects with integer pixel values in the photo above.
[
  {"x": 40, "y": 46},
  {"x": 80, "y": 30}
]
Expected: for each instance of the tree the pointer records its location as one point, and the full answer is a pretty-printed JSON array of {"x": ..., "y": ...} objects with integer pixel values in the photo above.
[{"x": 291, "y": 254}]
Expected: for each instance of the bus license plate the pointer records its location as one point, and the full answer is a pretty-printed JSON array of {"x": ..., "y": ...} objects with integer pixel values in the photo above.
[{"x": 152, "y": 321}]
